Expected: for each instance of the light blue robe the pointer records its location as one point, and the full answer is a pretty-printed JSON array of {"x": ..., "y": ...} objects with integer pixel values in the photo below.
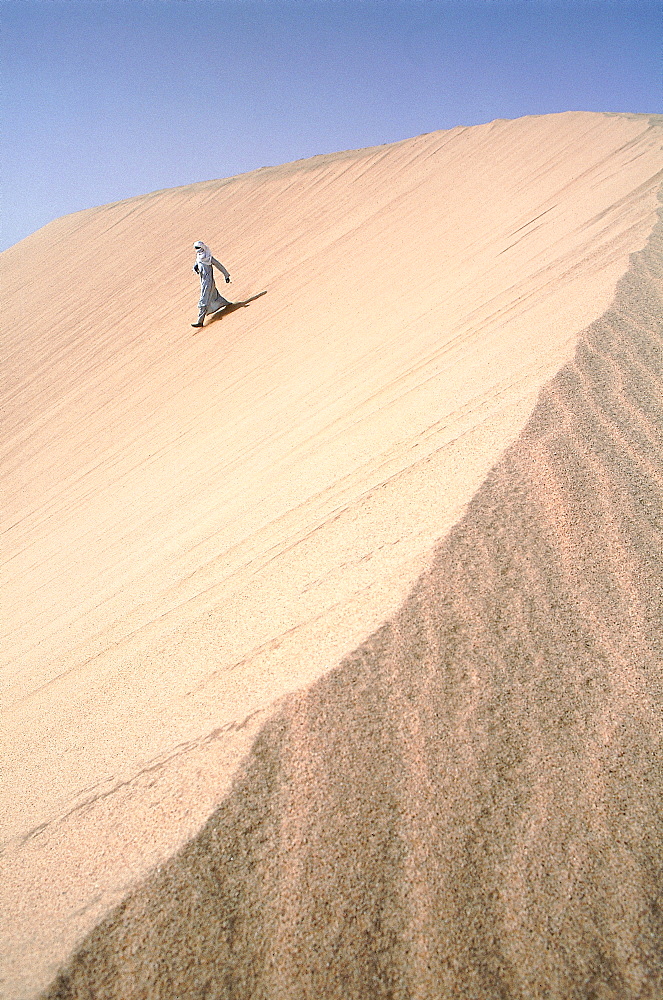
[{"x": 211, "y": 299}]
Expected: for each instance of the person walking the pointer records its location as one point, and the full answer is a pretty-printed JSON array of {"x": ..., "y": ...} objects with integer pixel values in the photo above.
[{"x": 211, "y": 301}]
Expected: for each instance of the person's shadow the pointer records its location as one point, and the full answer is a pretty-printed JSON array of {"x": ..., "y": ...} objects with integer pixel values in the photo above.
[{"x": 232, "y": 306}]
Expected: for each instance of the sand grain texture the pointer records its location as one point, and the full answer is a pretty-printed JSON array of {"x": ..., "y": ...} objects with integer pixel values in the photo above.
[{"x": 201, "y": 526}]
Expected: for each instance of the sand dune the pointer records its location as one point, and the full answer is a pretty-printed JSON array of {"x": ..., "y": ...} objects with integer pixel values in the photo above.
[
  {"x": 470, "y": 805},
  {"x": 197, "y": 526}
]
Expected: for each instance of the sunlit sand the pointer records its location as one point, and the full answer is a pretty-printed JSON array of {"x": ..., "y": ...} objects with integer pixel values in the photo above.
[{"x": 393, "y": 516}]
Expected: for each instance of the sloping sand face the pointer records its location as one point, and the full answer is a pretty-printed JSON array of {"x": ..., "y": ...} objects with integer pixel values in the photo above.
[
  {"x": 469, "y": 806},
  {"x": 199, "y": 524}
]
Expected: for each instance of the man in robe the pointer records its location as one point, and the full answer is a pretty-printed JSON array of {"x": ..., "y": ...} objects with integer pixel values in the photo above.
[{"x": 211, "y": 301}]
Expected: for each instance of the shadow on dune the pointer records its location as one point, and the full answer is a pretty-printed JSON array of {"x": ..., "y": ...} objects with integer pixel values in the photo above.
[
  {"x": 232, "y": 306},
  {"x": 470, "y": 805}
]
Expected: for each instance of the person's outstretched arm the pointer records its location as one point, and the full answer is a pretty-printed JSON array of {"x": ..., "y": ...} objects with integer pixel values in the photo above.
[{"x": 221, "y": 268}]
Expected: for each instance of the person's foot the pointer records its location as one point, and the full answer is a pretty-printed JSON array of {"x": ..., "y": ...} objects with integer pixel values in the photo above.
[{"x": 196, "y": 324}]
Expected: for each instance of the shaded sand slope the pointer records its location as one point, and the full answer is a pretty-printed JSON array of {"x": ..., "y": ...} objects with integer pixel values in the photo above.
[
  {"x": 470, "y": 805},
  {"x": 196, "y": 524}
]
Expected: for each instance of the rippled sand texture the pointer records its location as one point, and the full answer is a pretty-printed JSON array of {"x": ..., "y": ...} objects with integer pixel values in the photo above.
[
  {"x": 200, "y": 524},
  {"x": 470, "y": 805}
]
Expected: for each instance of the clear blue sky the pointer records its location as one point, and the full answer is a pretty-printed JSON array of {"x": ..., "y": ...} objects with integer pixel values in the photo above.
[{"x": 105, "y": 99}]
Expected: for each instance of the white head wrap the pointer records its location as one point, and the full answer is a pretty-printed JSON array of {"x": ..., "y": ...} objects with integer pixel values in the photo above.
[{"x": 203, "y": 252}]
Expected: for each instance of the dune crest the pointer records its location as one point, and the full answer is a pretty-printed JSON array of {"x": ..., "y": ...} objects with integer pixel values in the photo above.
[
  {"x": 470, "y": 804},
  {"x": 196, "y": 525}
]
